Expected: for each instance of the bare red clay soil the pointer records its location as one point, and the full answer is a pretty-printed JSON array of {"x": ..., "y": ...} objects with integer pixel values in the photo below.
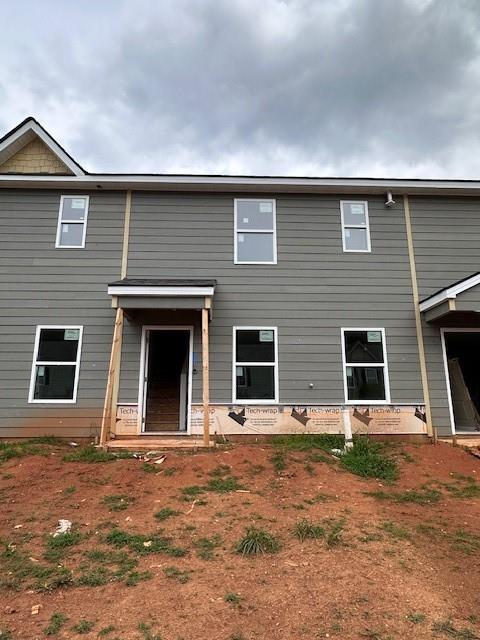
[{"x": 394, "y": 571}]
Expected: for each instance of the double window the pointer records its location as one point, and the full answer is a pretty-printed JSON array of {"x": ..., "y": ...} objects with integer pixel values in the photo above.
[
  {"x": 255, "y": 231},
  {"x": 255, "y": 364},
  {"x": 56, "y": 363},
  {"x": 365, "y": 368},
  {"x": 72, "y": 222},
  {"x": 355, "y": 226}
]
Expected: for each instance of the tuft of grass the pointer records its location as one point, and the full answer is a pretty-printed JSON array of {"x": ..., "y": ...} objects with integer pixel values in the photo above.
[
  {"x": 395, "y": 531},
  {"x": 92, "y": 454},
  {"x": 309, "y": 441},
  {"x": 9, "y": 450},
  {"x": 369, "y": 460},
  {"x": 416, "y": 618},
  {"x": 278, "y": 459},
  {"x": 146, "y": 631},
  {"x": 466, "y": 488},
  {"x": 57, "y": 621},
  {"x": 165, "y": 513},
  {"x": 334, "y": 533},
  {"x": 257, "y": 541},
  {"x": 69, "y": 490},
  {"x": 421, "y": 496},
  {"x": 56, "y": 546},
  {"x": 206, "y": 547},
  {"x": 149, "y": 467},
  {"x": 448, "y": 629},
  {"x": 106, "y": 630},
  {"x": 83, "y": 626},
  {"x": 223, "y": 485},
  {"x": 465, "y": 542},
  {"x": 169, "y": 471},
  {"x": 233, "y": 598},
  {"x": 192, "y": 491},
  {"x": 177, "y": 574},
  {"x": 136, "y": 577},
  {"x": 143, "y": 544},
  {"x": 5, "y": 634},
  {"x": 118, "y": 502},
  {"x": 305, "y": 529}
]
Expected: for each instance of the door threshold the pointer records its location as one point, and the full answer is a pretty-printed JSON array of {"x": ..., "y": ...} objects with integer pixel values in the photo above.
[{"x": 174, "y": 434}]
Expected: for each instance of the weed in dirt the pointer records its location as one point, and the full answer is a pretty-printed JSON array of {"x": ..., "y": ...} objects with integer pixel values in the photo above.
[
  {"x": 206, "y": 547},
  {"x": 68, "y": 491},
  {"x": 257, "y": 541},
  {"x": 334, "y": 532},
  {"x": 94, "y": 577},
  {"x": 56, "y": 546},
  {"x": 309, "y": 469},
  {"x": 83, "y": 626},
  {"x": 192, "y": 491},
  {"x": 369, "y": 459},
  {"x": 165, "y": 513},
  {"x": 118, "y": 502},
  {"x": 169, "y": 471},
  {"x": 5, "y": 635},
  {"x": 371, "y": 634},
  {"x": 177, "y": 574},
  {"x": 279, "y": 461},
  {"x": 93, "y": 454},
  {"x": 395, "y": 531},
  {"x": 237, "y": 636},
  {"x": 420, "y": 496},
  {"x": 306, "y": 442},
  {"x": 319, "y": 497},
  {"x": 9, "y": 450},
  {"x": 149, "y": 467},
  {"x": 299, "y": 506},
  {"x": 465, "y": 542},
  {"x": 446, "y": 628},
  {"x": 136, "y": 577},
  {"x": 223, "y": 485},
  {"x": 57, "y": 621},
  {"x": 17, "y": 570},
  {"x": 143, "y": 544},
  {"x": 466, "y": 488},
  {"x": 146, "y": 631},
  {"x": 416, "y": 618},
  {"x": 305, "y": 529},
  {"x": 106, "y": 631},
  {"x": 316, "y": 456},
  {"x": 233, "y": 598},
  {"x": 220, "y": 471},
  {"x": 256, "y": 469}
]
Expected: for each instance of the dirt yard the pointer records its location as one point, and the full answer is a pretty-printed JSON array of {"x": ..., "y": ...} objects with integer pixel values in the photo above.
[{"x": 153, "y": 551}]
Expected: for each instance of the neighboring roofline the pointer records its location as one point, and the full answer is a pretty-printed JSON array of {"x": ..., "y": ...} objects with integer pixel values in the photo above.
[
  {"x": 30, "y": 124},
  {"x": 265, "y": 184},
  {"x": 451, "y": 292}
]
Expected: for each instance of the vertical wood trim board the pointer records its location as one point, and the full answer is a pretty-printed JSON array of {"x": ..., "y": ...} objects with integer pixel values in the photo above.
[
  {"x": 126, "y": 234},
  {"x": 205, "y": 378}
]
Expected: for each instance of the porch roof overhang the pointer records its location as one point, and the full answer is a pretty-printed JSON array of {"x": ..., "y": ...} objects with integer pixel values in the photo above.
[
  {"x": 455, "y": 305},
  {"x": 162, "y": 293}
]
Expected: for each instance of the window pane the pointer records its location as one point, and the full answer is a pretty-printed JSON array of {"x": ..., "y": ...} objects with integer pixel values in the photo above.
[
  {"x": 58, "y": 345},
  {"x": 255, "y": 383},
  {"x": 365, "y": 383},
  {"x": 54, "y": 382},
  {"x": 255, "y": 247},
  {"x": 354, "y": 213},
  {"x": 363, "y": 346},
  {"x": 71, "y": 234},
  {"x": 356, "y": 239},
  {"x": 255, "y": 346},
  {"x": 255, "y": 215},
  {"x": 74, "y": 209}
]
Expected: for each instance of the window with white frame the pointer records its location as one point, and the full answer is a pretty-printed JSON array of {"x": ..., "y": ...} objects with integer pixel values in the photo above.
[
  {"x": 255, "y": 368},
  {"x": 56, "y": 363},
  {"x": 355, "y": 226},
  {"x": 72, "y": 222},
  {"x": 255, "y": 231},
  {"x": 365, "y": 365}
]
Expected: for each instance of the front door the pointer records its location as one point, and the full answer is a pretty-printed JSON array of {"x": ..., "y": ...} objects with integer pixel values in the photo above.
[{"x": 166, "y": 380}]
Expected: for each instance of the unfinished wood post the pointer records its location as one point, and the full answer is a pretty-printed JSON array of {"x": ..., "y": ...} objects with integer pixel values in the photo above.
[
  {"x": 109, "y": 412},
  {"x": 205, "y": 379}
]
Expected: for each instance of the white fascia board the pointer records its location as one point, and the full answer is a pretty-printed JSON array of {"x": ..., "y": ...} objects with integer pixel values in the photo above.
[
  {"x": 156, "y": 292},
  {"x": 451, "y": 293},
  {"x": 46, "y": 139}
]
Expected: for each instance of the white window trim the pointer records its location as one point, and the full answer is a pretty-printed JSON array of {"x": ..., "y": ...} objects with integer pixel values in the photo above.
[
  {"x": 61, "y": 221},
  {"x": 235, "y": 400},
  {"x": 40, "y": 363},
  {"x": 365, "y": 226},
  {"x": 383, "y": 365},
  {"x": 273, "y": 231}
]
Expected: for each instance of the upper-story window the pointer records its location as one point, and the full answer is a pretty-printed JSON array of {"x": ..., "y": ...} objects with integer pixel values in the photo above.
[
  {"x": 72, "y": 222},
  {"x": 255, "y": 231},
  {"x": 355, "y": 226}
]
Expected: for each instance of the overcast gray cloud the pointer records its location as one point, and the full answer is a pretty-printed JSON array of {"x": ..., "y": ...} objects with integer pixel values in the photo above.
[{"x": 300, "y": 87}]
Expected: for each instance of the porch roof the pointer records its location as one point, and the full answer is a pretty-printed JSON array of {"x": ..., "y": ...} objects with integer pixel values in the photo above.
[
  {"x": 162, "y": 293},
  {"x": 455, "y": 305}
]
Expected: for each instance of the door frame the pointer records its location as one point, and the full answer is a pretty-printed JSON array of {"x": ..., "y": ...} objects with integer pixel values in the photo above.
[
  {"x": 443, "y": 331},
  {"x": 142, "y": 386}
]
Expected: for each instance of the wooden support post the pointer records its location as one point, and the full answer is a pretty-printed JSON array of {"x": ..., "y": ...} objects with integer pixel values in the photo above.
[
  {"x": 111, "y": 393},
  {"x": 205, "y": 379}
]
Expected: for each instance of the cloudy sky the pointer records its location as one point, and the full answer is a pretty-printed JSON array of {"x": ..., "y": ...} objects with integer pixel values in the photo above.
[{"x": 298, "y": 87}]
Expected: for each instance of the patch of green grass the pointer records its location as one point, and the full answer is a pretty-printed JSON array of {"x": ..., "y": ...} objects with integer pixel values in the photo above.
[
  {"x": 94, "y": 577},
  {"x": 5, "y": 634},
  {"x": 150, "y": 467},
  {"x": 136, "y": 577},
  {"x": 177, "y": 574},
  {"x": 169, "y": 471},
  {"x": 395, "y": 531},
  {"x": 420, "y": 496},
  {"x": 69, "y": 490},
  {"x": 56, "y": 546},
  {"x": 305, "y": 529},
  {"x": 307, "y": 441},
  {"x": 233, "y": 598},
  {"x": 470, "y": 489},
  {"x": 206, "y": 546},
  {"x": 220, "y": 471},
  {"x": 334, "y": 532},
  {"x": 146, "y": 631},
  {"x": 309, "y": 469},
  {"x": 118, "y": 502},
  {"x": 165, "y": 513},
  {"x": 416, "y": 618},
  {"x": 316, "y": 456},
  {"x": 446, "y": 628},
  {"x": 223, "y": 485},
  {"x": 94, "y": 454},
  {"x": 257, "y": 541},
  {"x": 279, "y": 460},
  {"x": 83, "y": 626},
  {"x": 465, "y": 542},
  {"x": 106, "y": 631},
  {"x": 369, "y": 459},
  {"x": 57, "y": 621},
  {"x": 192, "y": 491},
  {"x": 143, "y": 544},
  {"x": 9, "y": 450}
]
